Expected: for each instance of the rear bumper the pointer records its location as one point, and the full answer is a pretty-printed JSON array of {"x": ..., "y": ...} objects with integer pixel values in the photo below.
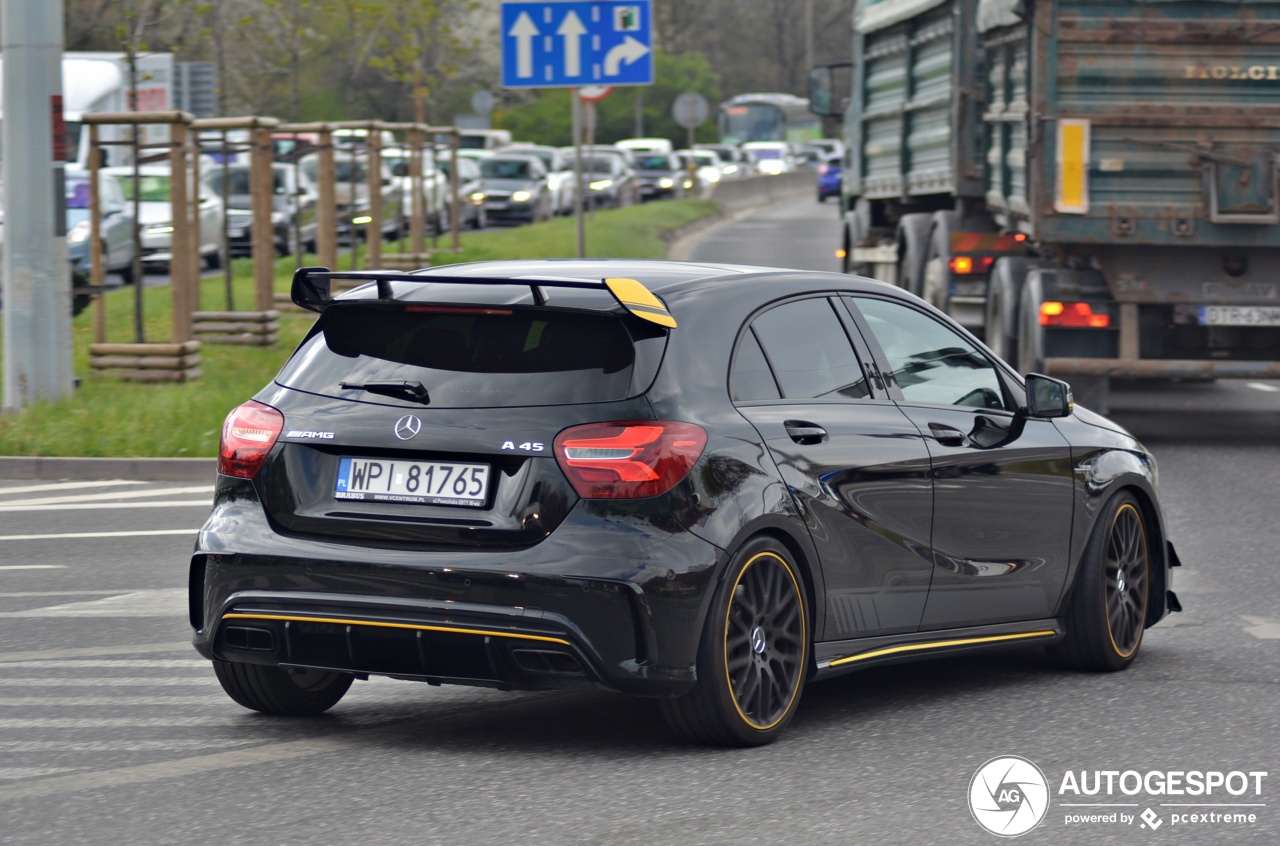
[
  {"x": 1162, "y": 368},
  {"x": 602, "y": 601}
]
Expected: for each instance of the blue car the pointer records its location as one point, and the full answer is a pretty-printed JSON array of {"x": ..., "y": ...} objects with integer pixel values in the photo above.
[{"x": 829, "y": 178}]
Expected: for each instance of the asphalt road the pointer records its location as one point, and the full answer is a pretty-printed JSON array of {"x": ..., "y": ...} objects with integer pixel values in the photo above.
[{"x": 112, "y": 730}]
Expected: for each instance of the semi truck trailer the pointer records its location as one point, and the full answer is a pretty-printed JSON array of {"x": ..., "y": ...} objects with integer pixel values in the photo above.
[{"x": 1092, "y": 186}]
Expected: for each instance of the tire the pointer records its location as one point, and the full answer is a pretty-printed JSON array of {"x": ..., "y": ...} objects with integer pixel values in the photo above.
[
  {"x": 1030, "y": 343},
  {"x": 753, "y": 655},
  {"x": 1107, "y": 610},
  {"x": 935, "y": 274},
  {"x": 913, "y": 243},
  {"x": 286, "y": 693}
]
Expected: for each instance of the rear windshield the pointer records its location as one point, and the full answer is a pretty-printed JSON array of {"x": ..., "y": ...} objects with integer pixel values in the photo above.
[
  {"x": 653, "y": 162},
  {"x": 467, "y": 357},
  {"x": 504, "y": 169}
]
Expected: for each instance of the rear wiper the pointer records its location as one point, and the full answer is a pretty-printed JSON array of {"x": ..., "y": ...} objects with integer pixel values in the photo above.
[{"x": 414, "y": 391}]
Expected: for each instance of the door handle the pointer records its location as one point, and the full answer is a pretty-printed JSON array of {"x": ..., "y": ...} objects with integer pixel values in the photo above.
[
  {"x": 946, "y": 435},
  {"x": 803, "y": 432}
]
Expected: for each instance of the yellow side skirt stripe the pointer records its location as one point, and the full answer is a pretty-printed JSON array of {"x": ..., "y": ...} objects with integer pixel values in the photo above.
[
  {"x": 377, "y": 624},
  {"x": 939, "y": 644}
]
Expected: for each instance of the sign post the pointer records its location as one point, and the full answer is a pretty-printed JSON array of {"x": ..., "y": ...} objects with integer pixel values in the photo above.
[
  {"x": 584, "y": 43},
  {"x": 690, "y": 110}
]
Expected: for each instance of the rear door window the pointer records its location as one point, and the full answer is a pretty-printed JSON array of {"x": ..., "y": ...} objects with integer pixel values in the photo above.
[
  {"x": 467, "y": 357},
  {"x": 809, "y": 352}
]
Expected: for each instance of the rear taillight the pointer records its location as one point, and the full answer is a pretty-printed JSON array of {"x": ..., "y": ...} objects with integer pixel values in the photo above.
[
  {"x": 1074, "y": 315},
  {"x": 247, "y": 436},
  {"x": 967, "y": 265},
  {"x": 628, "y": 459}
]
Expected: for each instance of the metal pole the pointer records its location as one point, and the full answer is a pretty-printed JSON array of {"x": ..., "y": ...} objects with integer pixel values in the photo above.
[
  {"x": 37, "y": 281},
  {"x": 577, "y": 170}
]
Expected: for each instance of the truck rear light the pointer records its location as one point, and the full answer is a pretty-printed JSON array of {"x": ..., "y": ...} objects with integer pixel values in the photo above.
[
  {"x": 248, "y": 435},
  {"x": 628, "y": 459},
  {"x": 1073, "y": 315},
  {"x": 967, "y": 265}
]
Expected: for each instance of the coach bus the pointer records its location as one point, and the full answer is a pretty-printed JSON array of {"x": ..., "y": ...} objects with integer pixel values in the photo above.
[{"x": 767, "y": 117}]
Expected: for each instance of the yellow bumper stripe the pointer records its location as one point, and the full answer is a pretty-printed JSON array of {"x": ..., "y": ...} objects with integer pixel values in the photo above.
[
  {"x": 381, "y": 625},
  {"x": 938, "y": 644}
]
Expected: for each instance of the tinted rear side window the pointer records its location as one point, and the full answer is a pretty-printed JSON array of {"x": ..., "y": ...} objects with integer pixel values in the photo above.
[{"x": 467, "y": 357}]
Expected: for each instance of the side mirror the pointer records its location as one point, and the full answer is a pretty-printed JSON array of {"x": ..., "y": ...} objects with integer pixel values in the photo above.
[
  {"x": 822, "y": 89},
  {"x": 1048, "y": 397}
]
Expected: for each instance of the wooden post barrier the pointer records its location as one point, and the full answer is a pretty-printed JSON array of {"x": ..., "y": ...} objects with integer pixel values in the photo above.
[
  {"x": 178, "y": 360},
  {"x": 259, "y": 326}
]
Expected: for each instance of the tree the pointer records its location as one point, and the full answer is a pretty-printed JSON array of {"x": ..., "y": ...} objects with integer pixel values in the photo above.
[{"x": 547, "y": 118}]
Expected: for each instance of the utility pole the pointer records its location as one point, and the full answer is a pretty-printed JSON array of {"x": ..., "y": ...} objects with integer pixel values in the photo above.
[{"x": 37, "y": 278}]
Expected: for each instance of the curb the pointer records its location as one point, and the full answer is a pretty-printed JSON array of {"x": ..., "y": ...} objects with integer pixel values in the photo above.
[{"x": 43, "y": 468}]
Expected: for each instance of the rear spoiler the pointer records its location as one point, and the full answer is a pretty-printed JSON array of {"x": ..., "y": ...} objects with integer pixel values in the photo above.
[{"x": 311, "y": 289}]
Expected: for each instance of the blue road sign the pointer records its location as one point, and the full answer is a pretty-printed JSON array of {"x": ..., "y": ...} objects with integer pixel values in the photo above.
[{"x": 562, "y": 45}]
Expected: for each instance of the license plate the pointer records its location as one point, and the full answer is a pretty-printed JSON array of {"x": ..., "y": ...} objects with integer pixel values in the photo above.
[
  {"x": 417, "y": 482},
  {"x": 494, "y": 205},
  {"x": 1240, "y": 315}
]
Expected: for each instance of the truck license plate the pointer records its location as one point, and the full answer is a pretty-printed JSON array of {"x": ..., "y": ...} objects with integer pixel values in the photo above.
[{"x": 1222, "y": 315}]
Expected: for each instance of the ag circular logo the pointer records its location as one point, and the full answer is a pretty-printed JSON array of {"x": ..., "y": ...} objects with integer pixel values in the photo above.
[{"x": 1008, "y": 796}]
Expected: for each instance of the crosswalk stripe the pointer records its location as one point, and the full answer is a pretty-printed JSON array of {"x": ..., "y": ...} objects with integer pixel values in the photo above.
[
  {"x": 100, "y": 506},
  {"x": 98, "y": 497},
  {"x": 19, "y": 746},
  {"x": 94, "y": 663},
  {"x": 104, "y": 701},
  {"x": 130, "y": 681},
  {"x": 141, "y": 534},
  {"x": 62, "y": 486}
]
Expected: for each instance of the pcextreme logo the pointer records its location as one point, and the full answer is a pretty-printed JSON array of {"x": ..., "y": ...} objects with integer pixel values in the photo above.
[{"x": 1009, "y": 796}]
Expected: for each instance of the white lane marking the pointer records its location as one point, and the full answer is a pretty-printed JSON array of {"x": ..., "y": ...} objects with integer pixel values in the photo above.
[
  {"x": 1263, "y": 628},
  {"x": 33, "y": 566},
  {"x": 146, "y": 534},
  {"x": 116, "y": 745},
  {"x": 1262, "y": 386},
  {"x": 98, "y": 663},
  {"x": 183, "y": 767},
  {"x": 98, "y": 497},
  {"x": 60, "y": 486},
  {"x": 17, "y": 594},
  {"x": 106, "y": 701},
  {"x": 94, "y": 651},
  {"x": 166, "y": 602},
  {"x": 102, "y": 506},
  {"x": 19, "y": 773},
  {"x": 111, "y": 681},
  {"x": 124, "y": 722}
]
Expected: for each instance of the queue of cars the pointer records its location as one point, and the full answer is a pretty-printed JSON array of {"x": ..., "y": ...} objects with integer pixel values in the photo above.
[{"x": 499, "y": 180}]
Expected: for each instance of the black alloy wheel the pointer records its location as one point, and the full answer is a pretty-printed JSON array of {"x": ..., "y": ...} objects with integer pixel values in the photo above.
[
  {"x": 1107, "y": 611},
  {"x": 753, "y": 656}
]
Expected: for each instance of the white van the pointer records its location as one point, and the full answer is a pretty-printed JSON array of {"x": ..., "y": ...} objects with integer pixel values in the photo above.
[{"x": 646, "y": 145}]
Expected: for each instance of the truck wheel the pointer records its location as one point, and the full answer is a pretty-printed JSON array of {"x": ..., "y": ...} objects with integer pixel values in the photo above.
[
  {"x": 1107, "y": 610},
  {"x": 1030, "y": 334},
  {"x": 935, "y": 275},
  {"x": 753, "y": 655},
  {"x": 913, "y": 244},
  {"x": 286, "y": 693}
]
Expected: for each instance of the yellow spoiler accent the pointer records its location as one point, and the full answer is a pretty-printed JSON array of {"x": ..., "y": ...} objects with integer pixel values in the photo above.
[{"x": 640, "y": 301}]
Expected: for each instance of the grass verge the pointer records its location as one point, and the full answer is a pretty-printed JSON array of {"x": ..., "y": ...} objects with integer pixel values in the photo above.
[{"x": 109, "y": 418}]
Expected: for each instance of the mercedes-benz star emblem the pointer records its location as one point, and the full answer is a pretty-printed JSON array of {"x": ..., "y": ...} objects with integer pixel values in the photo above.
[{"x": 408, "y": 426}]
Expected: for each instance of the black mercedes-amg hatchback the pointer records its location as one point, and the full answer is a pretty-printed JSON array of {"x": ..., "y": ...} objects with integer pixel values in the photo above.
[{"x": 701, "y": 483}]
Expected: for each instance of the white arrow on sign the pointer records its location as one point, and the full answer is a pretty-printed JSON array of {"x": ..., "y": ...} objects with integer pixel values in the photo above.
[
  {"x": 524, "y": 31},
  {"x": 572, "y": 30},
  {"x": 628, "y": 51}
]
